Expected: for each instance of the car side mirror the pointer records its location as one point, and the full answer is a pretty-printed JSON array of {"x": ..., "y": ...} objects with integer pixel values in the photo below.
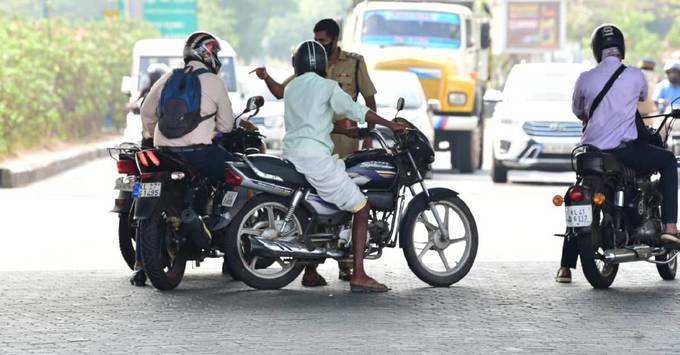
[
  {"x": 126, "y": 85},
  {"x": 493, "y": 96},
  {"x": 434, "y": 105}
]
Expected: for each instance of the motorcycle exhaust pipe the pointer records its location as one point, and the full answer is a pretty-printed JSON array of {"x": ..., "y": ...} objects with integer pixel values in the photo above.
[
  {"x": 624, "y": 255},
  {"x": 195, "y": 229},
  {"x": 276, "y": 249}
]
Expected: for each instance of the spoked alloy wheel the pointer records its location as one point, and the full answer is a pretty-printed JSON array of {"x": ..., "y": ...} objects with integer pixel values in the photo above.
[
  {"x": 434, "y": 258},
  {"x": 591, "y": 247},
  {"x": 668, "y": 271},
  {"x": 263, "y": 217},
  {"x": 163, "y": 262}
]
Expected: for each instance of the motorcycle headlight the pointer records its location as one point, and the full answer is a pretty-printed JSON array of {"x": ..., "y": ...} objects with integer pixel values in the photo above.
[
  {"x": 273, "y": 122},
  {"x": 457, "y": 98}
]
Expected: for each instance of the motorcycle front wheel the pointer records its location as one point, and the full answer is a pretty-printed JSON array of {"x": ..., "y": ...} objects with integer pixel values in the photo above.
[
  {"x": 163, "y": 262},
  {"x": 667, "y": 271},
  {"x": 435, "y": 259},
  {"x": 126, "y": 239}
]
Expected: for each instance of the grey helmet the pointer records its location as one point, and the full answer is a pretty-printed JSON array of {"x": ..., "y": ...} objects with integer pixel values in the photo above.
[
  {"x": 203, "y": 47},
  {"x": 310, "y": 56}
]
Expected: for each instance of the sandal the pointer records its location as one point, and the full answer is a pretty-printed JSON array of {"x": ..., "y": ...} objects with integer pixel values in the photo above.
[
  {"x": 375, "y": 287},
  {"x": 318, "y": 281},
  {"x": 563, "y": 277}
]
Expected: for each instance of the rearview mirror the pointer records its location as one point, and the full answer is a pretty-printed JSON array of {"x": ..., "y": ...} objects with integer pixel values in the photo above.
[
  {"x": 400, "y": 104},
  {"x": 254, "y": 103},
  {"x": 493, "y": 95},
  {"x": 126, "y": 85}
]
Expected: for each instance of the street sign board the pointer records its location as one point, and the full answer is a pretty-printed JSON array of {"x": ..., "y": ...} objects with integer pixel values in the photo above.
[
  {"x": 531, "y": 26},
  {"x": 173, "y": 18}
]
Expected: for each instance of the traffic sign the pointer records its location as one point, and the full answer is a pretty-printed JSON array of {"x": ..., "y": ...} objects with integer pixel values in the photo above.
[{"x": 173, "y": 18}]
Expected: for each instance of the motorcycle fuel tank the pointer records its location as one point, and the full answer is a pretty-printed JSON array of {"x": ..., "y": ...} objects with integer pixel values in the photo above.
[{"x": 372, "y": 169}]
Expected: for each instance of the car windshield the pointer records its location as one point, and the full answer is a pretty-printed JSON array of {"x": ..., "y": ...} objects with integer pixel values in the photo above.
[
  {"x": 411, "y": 29},
  {"x": 227, "y": 73},
  {"x": 537, "y": 85},
  {"x": 391, "y": 88}
]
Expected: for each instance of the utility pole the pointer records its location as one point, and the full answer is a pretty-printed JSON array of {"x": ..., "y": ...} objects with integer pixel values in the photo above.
[{"x": 46, "y": 8}]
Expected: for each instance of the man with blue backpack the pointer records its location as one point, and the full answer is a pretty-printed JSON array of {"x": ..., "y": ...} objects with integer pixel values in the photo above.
[{"x": 186, "y": 108}]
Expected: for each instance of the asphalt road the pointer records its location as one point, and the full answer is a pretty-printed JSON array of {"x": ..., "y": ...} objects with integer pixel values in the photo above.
[{"x": 65, "y": 288}]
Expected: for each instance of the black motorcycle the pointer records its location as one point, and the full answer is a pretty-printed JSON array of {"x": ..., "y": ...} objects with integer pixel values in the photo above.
[
  {"x": 181, "y": 215},
  {"x": 124, "y": 155},
  {"x": 287, "y": 225},
  {"x": 614, "y": 213}
]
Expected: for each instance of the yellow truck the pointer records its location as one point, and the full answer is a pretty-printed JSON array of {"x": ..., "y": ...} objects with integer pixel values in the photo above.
[{"x": 447, "y": 45}]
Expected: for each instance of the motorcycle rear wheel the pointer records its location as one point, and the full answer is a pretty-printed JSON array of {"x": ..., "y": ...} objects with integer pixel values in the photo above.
[
  {"x": 599, "y": 273},
  {"x": 254, "y": 271},
  {"x": 164, "y": 267},
  {"x": 447, "y": 204}
]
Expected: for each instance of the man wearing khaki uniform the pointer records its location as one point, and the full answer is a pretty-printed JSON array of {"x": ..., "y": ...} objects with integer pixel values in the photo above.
[{"x": 350, "y": 71}]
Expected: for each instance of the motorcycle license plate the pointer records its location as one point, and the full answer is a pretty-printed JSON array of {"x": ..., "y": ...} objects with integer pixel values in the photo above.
[
  {"x": 229, "y": 198},
  {"x": 149, "y": 189},
  {"x": 579, "y": 216}
]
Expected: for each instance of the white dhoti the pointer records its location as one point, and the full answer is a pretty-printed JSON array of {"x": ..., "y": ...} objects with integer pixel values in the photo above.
[{"x": 327, "y": 175}]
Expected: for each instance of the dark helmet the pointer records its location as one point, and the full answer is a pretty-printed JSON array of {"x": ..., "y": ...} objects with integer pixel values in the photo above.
[
  {"x": 203, "y": 47},
  {"x": 607, "y": 36},
  {"x": 310, "y": 56}
]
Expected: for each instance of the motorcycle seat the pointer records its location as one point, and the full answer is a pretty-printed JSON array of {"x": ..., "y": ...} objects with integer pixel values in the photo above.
[{"x": 279, "y": 167}]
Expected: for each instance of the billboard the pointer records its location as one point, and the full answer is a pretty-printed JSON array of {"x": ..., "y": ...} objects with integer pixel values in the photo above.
[{"x": 532, "y": 26}]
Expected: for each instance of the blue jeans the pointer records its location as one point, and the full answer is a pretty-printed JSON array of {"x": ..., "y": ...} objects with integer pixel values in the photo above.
[{"x": 209, "y": 161}]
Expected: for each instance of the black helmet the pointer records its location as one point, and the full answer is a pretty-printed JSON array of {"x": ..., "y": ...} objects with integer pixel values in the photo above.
[
  {"x": 310, "y": 56},
  {"x": 203, "y": 47},
  {"x": 155, "y": 71},
  {"x": 607, "y": 36}
]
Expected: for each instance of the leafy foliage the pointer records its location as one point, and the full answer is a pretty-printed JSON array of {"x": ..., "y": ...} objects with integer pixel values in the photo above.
[{"x": 59, "y": 79}]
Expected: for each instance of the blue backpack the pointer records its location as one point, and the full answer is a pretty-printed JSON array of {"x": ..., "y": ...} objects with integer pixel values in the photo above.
[{"x": 179, "y": 110}]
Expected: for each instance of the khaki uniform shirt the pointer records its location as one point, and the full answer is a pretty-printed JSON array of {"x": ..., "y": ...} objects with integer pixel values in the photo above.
[
  {"x": 353, "y": 83},
  {"x": 214, "y": 99}
]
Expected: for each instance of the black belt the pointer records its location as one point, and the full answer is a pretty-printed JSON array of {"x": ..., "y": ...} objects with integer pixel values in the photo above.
[{"x": 188, "y": 148}]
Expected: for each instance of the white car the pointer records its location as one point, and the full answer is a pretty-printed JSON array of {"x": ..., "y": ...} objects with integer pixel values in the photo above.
[
  {"x": 269, "y": 119},
  {"x": 169, "y": 52},
  {"x": 390, "y": 86},
  {"x": 533, "y": 126}
]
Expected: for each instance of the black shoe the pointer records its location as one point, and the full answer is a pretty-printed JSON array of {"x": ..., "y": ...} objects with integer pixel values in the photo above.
[{"x": 138, "y": 278}]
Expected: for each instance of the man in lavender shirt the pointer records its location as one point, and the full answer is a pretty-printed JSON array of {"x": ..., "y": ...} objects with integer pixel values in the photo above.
[{"x": 612, "y": 128}]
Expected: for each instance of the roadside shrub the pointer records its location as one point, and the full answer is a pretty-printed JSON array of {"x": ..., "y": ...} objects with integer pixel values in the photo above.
[{"x": 60, "y": 79}]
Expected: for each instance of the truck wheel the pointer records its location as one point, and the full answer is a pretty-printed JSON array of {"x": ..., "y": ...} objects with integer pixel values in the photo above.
[
  {"x": 499, "y": 173},
  {"x": 465, "y": 151}
]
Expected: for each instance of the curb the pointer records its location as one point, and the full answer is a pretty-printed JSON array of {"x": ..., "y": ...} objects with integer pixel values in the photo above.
[{"x": 11, "y": 177}]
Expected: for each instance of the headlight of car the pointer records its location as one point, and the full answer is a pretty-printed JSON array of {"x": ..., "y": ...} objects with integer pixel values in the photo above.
[
  {"x": 273, "y": 122},
  {"x": 457, "y": 98}
]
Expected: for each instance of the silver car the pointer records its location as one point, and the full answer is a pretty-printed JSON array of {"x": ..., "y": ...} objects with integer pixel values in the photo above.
[{"x": 533, "y": 127}]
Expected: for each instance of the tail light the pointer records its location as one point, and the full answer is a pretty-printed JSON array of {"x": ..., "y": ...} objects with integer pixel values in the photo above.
[
  {"x": 152, "y": 156},
  {"x": 233, "y": 179},
  {"x": 127, "y": 167},
  {"x": 142, "y": 158},
  {"x": 576, "y": 194},
  {"x": 147, "y": 176}
]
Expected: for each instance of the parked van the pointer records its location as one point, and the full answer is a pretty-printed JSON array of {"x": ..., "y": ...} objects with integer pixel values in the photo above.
[{"x": 169, "y": 52}]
